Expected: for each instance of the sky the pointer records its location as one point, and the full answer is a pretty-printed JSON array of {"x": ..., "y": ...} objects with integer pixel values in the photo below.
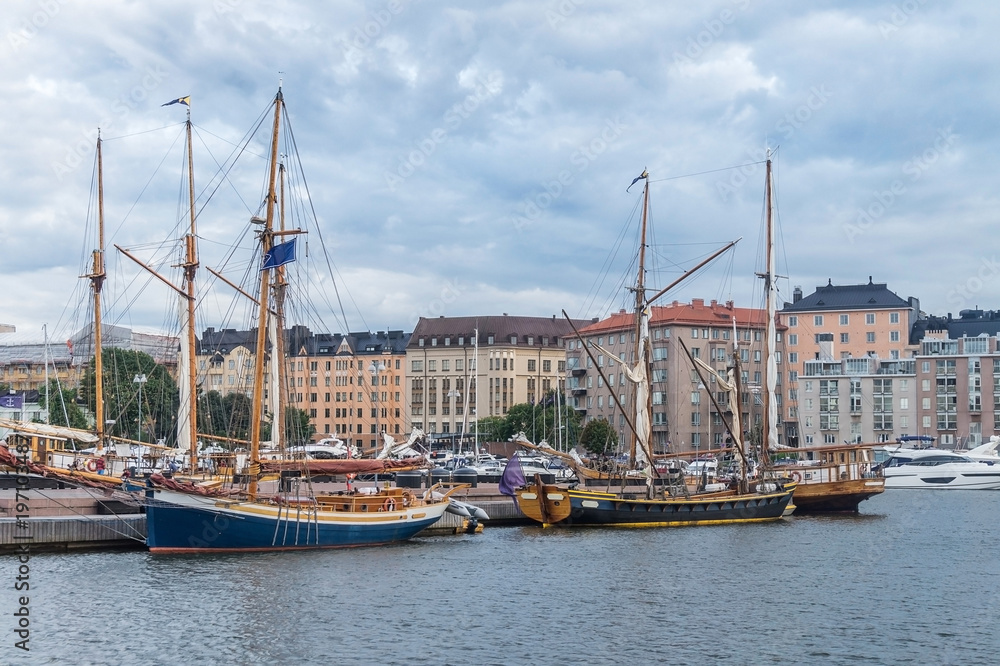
[{"x": 473, "y": 158}]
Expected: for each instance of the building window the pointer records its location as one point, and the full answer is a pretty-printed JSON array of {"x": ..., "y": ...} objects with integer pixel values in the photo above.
[
  {"x": 817, "y": 320},
  {"x": 793, "y": 321},
  {"x": 417, "y": 366},
  {"x": 893, "y": 336},
  {"x": 870, "y": 337},
  {"x": 844, "y": 338},
  {"x": 793, "y": 339},
  {"x": 870, "y": 319},
  {"x": 893, "y": 317},
  {"x": 844, "y": 320},
  {"x": 531, "y": 365},
  {"x": 546, "y": 366}
]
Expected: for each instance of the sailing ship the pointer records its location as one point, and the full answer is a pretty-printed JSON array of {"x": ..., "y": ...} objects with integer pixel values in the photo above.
[
  {"x": 552, "y": 504},
  {"x": 89, "y": 455},
  {"x": 186, "y": 517},
  {"x": 842, "y": 476}
]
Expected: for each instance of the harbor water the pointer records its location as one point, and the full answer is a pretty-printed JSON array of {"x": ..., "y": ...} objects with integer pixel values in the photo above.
[{"x": 914, "y": 579}]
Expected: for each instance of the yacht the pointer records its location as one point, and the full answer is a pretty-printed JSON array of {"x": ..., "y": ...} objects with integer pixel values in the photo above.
[{"x": 940, "y": 468}]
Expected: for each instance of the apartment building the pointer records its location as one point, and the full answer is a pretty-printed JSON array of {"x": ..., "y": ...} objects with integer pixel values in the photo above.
[
  {"x": 841, "y": 321},
  {"x": 352, "y": 386},
  {"x": 453, "y": 376},
  {"x": 854, "y": 400},
  {"x": 684, "y": 416},
  {"x": 959, "y": 388}
]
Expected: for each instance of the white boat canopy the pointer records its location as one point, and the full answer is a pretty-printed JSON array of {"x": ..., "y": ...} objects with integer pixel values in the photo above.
[{"x": 45, "y": 430}]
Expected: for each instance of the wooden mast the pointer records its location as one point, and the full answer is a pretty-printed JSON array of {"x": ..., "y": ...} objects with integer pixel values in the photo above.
[
  {"x": 97, "y": 277},
  {"x": 769, "y": 432},
  {"x": 278, "y": 434},
  {"x": 190, "y": 270},
  {"x": 266, "y": 242},
  {"x": 640, "y": 302}
]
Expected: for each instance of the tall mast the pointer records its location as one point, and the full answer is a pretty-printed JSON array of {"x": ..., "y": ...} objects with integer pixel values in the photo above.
[
  {"x": 277, "y": 335},
  {"x": 266, "y": 242},
  {"x": 770, "y": 426},
  {"x": 97, "y": 277},
  {"x": 641, "y": 339},
  {"x": 476, "y": 379},
  {"x": 190, "y": 265}
]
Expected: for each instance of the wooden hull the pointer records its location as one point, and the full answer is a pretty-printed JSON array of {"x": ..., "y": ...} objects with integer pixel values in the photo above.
[
  {"x": 836, "y": 496},
  {"x": 565, "y": 507}
]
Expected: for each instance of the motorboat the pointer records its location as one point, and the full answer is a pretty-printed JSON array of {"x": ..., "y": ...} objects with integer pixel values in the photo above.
[{"x": 940, "y": 468}]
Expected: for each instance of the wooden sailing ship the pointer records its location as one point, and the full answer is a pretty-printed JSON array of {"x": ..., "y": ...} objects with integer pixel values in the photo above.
[
  {"x": 552, "y": 504},
  {"x": 190, "y": 517},
  {"x": 841, "y": 476}
]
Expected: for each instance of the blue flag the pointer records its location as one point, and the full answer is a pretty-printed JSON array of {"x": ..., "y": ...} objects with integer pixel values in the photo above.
[
  {"x": 637, "y": 179},
  {"x": 186, "y": 101},
  {"x": 512, "y": 478},
  {"x": 280, "y": 254},
  {"x": 13, "y": 401}
]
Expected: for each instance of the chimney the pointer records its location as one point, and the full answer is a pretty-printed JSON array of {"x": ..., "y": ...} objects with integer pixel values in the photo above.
[
  {"x": 698, "y": 302},
  {"x": 796, "y": 294}
]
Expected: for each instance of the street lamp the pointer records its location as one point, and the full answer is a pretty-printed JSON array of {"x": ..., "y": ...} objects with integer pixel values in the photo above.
[
  {"x": 375, "y": 370},
  {"x": 140, "y": 380}
]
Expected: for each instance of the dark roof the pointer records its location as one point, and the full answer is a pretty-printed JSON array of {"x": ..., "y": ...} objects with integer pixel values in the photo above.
[
  {"x": 871, "y": 296},
  {"x": 970, "y": 324},
  {"x": 501, "y": 327},
  {"x": 299, "y": 338}
]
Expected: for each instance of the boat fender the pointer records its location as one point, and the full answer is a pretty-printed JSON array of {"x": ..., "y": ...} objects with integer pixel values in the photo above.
[
  {"x": 796, "y": 477},
  {"x": 91, "y": 465},
  {"x": 389, "y": 504}
]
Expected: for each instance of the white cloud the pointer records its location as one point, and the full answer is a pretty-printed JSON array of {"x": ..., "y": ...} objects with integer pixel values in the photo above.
[{"x": 850, "y": 101}]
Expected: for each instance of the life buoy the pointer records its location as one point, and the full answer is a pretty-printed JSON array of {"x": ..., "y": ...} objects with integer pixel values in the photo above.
[
  {"x": 91, "y": 465},
  {"x": 796, "y": 477},
  {"x": 389, "y": 504}
]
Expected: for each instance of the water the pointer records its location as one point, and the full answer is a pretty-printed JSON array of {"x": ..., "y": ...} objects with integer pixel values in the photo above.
[{"x": 915, "y": 579}]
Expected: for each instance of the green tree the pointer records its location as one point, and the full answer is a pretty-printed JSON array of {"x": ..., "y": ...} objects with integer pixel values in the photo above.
[
  {"x": 160, "y": 397},
  {"x": 63, "y": 405},
  {"x": 298, "y": 426},
  {"x": 235, "y": 416},
  {"x": 520, "y": 418},
  {"x": 599, "y": 436},
  {"x": 494, "y": 429}
]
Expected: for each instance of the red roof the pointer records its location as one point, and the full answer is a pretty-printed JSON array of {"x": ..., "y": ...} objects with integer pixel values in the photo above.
[{"x": 695, "y": 313}]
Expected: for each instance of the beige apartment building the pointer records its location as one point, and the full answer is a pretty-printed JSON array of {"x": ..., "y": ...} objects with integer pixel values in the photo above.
[
  {"x": 684, "y": 418},
  {"x": 454, "y": 377},
  {"x": 839, "y": 322}
]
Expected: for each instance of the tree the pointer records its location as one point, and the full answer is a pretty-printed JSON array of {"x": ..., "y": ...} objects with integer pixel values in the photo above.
[
  {"x": 63, "y": 405},
  {"x": 298, "y": 427},
  {"x": 599, "y": 436},
  {"x": 235, "y": 416},
  {"x": 494, "y": 429},
  {"x": 520, "y": 418},
  {"x": 160, "y": 397}
]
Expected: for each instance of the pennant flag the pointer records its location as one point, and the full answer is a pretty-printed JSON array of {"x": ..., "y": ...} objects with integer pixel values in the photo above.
[
  {"x": 637, "y": 179},
  {"x": 186, "y": 101},
  {"x": 512, "y": 478},
  {"x": 280, "y": 254}
]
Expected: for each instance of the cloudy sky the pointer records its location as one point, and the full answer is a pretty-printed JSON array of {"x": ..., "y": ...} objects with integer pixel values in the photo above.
[{"x": 472, "y": 158}]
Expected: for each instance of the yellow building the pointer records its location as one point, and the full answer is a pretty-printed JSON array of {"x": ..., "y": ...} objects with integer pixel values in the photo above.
[{"x": 453, "y": 377}]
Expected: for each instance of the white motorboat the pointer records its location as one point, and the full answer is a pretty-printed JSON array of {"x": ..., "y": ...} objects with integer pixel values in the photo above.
[{"x": 939, "y": 468}]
